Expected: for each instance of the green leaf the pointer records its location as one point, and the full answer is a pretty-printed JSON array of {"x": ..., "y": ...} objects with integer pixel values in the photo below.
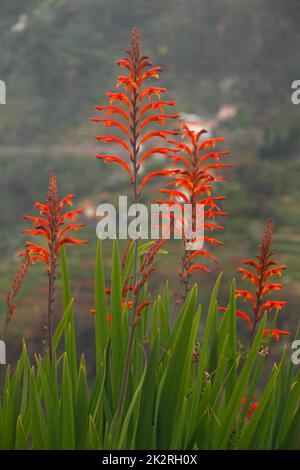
[
  {"x": 177, "y": 375},
  {"x": 230, "y": 410},
  {"x": 70, "y": 335},
  {"x": 101, "y": 323},
  {"x": 81, "y": 407},
  {"x": 203, "y": 359},
  {"x": 232, "y": 363},
  {"x": 124, "y": 430},
  {"x": 62, "y": 325},
  {"x": 67, "y": 409},
  {"x": 38, "y": 422},
  {"x": 147, "y": 402},
  {"x": 118, "y": 346},
  {"x": 21, "y": 440},
  {"x": 256, "y": 430},
  {"x": 93, "y": 435}
]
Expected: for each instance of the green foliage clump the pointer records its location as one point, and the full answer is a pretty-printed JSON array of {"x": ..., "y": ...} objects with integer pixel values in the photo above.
[{"x": 190, "y": 386}]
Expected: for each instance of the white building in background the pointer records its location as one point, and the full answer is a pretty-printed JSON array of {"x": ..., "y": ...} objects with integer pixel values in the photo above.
[
  {"x": 197, "y": 123},
  {"x": 20, "y": 25},
  {"x": 2, "y": 92},
  {"x": 2, "y": 353},
  {"x": 226, "y": 112}
]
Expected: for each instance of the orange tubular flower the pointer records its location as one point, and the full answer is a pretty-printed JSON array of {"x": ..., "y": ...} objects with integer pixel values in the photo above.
[
  {"x": 50, "y": 224},
  {"x": 262, "y": 270},
  {"x": 198, "y": 168},
  {"x": 276, "y": 333}
]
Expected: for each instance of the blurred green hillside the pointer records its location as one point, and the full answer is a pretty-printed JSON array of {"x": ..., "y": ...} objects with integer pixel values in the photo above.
[
  {"x": 58, "y": 56},
  {"x": 58, "y": 59}
]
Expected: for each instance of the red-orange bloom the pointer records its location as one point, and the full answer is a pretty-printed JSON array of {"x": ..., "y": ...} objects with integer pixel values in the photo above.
[
  {"x": 252, "y": 407},
  {"x": 134, "y": 109},
  {"x": 54, "y": 225},
  {"x": 51, "y": 225},
  {"x": 262, "y": 270},
  {"x": 15, "y": 289},
  {"x": 198, "y": 169},
  {"x": 276, "y": 333}
]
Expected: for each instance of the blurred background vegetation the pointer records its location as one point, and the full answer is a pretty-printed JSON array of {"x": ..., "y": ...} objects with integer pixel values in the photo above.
[{"x": 58, "y": 59}]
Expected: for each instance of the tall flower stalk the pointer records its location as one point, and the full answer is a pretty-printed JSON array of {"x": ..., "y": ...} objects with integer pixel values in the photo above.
[
  {"x": 196, "y": 174},
  {"x": 15, "y": 289},
  {"x": 51, "y": 224},
  {"x": 264, "y": 268},
  {"x": 132, "y": 111}
]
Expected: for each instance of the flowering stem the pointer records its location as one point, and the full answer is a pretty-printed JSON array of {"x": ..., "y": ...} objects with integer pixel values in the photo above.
[
  {"x": 179, "y": 295},
  {"x": 259, "y": 293},
  {"x": 256, "y": 310},
  {"x": 51, "y": 291},
  {"x": 53, "y": 231},
  {"x": 53, "y": 224},
  {"x": 15, "y": 289},
  {"x": 133, "y": 324},
  {"x": 184, "y": 280},
  {"x": 134, "y": 110}
]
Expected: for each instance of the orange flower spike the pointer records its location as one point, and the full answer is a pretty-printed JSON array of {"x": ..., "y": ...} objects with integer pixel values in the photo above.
[
  {"x": 15, "y": 289},
  {"x": 129, "y": 105},
  {"x": 190, "y": 185},
  {"x": 53, "y": 229},
  {"x": 264, "y": 268},
  {"x": 132, "y": 92}
]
